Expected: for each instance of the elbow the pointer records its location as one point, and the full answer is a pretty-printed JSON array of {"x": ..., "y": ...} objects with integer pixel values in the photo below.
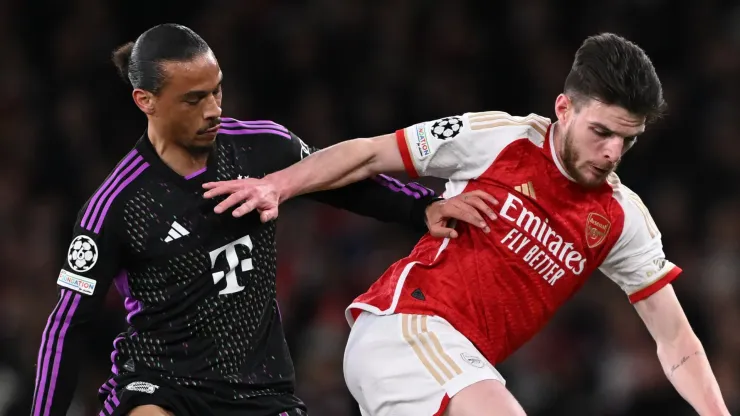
[
  {"x": 372, "y": 158},
  {"x": 382, "y": 155},
  {"x": 686, "y": 343},
  {"x": 673, "y": 331}
]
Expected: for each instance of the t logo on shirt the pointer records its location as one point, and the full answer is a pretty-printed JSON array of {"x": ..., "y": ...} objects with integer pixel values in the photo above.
[{"x": 233, "y": 260}]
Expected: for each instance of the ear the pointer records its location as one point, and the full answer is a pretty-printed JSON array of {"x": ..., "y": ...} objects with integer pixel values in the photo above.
[
  {"x": 145, "y": 100},
  {"x": 563, "y": 108}
]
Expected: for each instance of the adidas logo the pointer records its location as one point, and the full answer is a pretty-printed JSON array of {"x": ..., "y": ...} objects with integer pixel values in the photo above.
[
  {"x": 129, "y": 365},
  {"x": 176, "y": 231},
  {"x": 526, "y": 189},
  {"x": 417, "y": 294}
]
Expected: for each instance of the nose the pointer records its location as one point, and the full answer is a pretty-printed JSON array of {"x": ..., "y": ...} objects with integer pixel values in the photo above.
[
  {"x": 613, "y": 149},
  {"x": 212, "y": 109}
]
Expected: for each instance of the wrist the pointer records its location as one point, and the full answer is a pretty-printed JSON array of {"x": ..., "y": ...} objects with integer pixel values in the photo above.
[
  {"x": 419, "y": 210},
  {"x": 281, "y": 185}
]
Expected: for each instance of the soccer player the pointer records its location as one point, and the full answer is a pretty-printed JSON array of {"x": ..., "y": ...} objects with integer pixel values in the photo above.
[
  {"x": 427, "y": 335},
  {"x": 205, "y": 336}
]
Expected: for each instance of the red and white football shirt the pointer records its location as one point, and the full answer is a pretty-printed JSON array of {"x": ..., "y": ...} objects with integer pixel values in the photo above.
[{"x": 499, "y": 289}]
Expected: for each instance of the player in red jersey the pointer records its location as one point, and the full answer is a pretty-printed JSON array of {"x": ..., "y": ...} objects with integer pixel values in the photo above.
[{"x": 426, "y": 336}]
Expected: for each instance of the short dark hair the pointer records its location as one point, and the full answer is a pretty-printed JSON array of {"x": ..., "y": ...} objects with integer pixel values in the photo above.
[
  {"x": 615, "y": 71},
  {"x": 140, "y": 63}
]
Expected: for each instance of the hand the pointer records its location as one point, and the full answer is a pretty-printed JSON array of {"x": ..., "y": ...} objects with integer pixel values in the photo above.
[
  {"x": 466, "y": 207},
  {"x": 253, "y": 194}
]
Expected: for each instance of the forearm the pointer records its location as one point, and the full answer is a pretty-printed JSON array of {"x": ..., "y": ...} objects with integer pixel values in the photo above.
[
  {"x": 330, "y": 168},
  {"x": 687, "y": 367},
  {"x": 383, "y": 198},
  {"x": 61, "y": 341},
  {"x": 57, "y": 380}
]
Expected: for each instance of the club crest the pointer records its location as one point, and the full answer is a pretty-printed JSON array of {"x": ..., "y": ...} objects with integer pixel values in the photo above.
[{"x": 597, "y": 228}]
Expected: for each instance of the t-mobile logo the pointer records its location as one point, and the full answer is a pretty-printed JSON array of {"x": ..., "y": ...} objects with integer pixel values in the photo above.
[{"x": 233, "y": 260}]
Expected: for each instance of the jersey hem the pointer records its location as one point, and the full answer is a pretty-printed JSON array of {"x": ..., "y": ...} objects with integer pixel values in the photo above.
[
  {"x": 403, "y": 147},
  {"x": 479, "y": 340},
  {"x": 646, "y": 292},
  {"x": 354, "y": 310},
  {"x": 443, "y": 405}
]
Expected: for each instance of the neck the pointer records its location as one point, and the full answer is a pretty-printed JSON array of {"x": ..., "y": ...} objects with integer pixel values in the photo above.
[
  {"x": 177, "y": 157},
  {"x": 558, "y": 142},
  {"x": 558, "y": 149}
]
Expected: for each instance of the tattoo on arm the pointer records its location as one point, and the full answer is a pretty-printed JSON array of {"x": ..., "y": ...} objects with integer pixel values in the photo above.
[{"x": 683, "y": 361}]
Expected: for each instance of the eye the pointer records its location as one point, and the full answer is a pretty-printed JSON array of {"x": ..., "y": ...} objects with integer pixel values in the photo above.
[{"x": 602, "y": 133}]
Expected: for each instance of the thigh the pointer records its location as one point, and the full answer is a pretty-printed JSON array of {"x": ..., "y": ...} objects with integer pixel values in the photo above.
[
  {"x": 410, "y": 364},
  {"x": 485, "y": 398},
  {"x": 149, "y": 410}
]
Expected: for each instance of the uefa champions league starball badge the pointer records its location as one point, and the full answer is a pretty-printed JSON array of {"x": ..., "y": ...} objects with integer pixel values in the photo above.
[
  {"x": 82, "y": 254},
  {"x": 447, "y": 128}
]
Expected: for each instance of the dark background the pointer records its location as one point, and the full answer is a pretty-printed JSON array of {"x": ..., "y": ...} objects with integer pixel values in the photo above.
[{"x": 335, "y": 69}]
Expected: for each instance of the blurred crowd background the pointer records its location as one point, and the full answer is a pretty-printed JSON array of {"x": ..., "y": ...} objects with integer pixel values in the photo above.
[{"x": 336, "y": 69}]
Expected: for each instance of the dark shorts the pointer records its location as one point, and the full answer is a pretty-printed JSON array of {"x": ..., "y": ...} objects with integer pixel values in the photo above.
[{"x": 121, "y": 394}]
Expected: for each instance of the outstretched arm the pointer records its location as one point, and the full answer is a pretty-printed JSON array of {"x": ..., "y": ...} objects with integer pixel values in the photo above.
[
  {"x": 638, "y": 264},
  {"x": 83, "y": 282},
  {"x": 449, "y": 148},
  {"x": 681, "y": 353},
  {"x": 338, "y": 165}
]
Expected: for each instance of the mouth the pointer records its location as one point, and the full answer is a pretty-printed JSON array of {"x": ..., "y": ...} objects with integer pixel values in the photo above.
[
  {"x": 600, "y": 171},
  {"x": 213, "y": 129}
]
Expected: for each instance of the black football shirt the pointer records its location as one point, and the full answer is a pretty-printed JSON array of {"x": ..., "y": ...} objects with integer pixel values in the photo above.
[{"x": 199, "y": 288}]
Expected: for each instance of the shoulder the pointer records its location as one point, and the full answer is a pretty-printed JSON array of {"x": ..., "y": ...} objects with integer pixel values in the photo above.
[
  {"x": 625, "y": 197},
  {"x": 95, "y": 212},
  {"x": 508, "y": 127},
  {"x": 232, "y": 127},
  {"x": 632, "y": 210},
  {"x": 637, "y": 261}
]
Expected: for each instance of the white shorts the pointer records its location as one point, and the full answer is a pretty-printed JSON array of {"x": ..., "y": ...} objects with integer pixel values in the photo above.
[{"x": 410, "y": 365}]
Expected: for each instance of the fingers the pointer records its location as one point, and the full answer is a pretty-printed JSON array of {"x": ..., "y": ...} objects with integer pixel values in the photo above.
[
  {"x": 464, "y": 212},
  {"x": 252, "y": 196},
  {"x": 484, "y": 197},
  {"x": 211, "y": 185},
  {"x": 269, "y": 215},
  {"x": 224, "y": 187},
  {"x": 470, "y": 207},
  {"x": 218, "y": 188},
  {"x": 479, "y": 204},
  {"x": 248, "y": 206},
  {"x": 439, "y": 231},
  {"x": 229, "y": 202}
]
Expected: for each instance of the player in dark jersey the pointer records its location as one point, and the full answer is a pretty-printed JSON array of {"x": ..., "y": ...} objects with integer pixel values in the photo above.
[{"x": 205, "y": 335}]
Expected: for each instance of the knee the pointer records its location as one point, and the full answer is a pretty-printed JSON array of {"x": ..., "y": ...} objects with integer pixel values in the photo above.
[
  {"x": 150, "y": 410},
  {"x": 488, "y": 397}
]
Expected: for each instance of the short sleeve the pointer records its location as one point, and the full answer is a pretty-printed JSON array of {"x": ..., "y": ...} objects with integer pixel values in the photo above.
[
  {"x": 289, "y": 150},
  {"x": 463, "y": 147},
  {"x": 637, "y": 262}
]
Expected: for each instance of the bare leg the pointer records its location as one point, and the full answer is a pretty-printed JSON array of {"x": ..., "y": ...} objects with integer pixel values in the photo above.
[
  {"x": 150, "y": 410},
  {"x": 485, "y": 398}
]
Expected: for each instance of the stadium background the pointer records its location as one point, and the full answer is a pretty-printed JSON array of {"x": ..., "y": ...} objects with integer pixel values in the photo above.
[{"x": 335, "y": 69}]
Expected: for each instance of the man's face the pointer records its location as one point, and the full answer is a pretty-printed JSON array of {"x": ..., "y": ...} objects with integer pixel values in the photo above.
[
  {"x": 188, "y": 107},
  {"x": 595, "y": 136}
]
